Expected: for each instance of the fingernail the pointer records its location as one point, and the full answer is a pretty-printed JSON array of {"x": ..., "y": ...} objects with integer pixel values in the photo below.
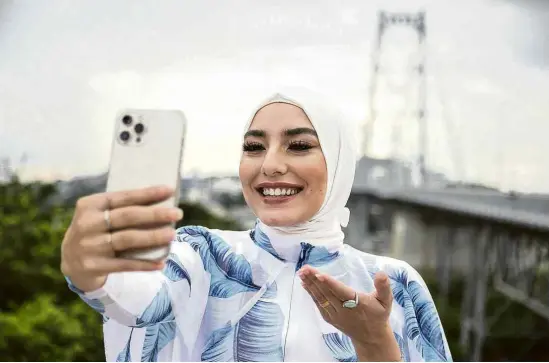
[
  {"x": 169, "y": 234},
  {"x": 162, "y": 189},
  {"x": 319, "y": 277},
  {"x": 177, "y": 213}
]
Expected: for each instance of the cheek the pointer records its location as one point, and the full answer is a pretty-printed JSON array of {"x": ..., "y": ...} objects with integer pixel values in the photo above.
[
  {"x": 316, "y": 176},
  {"x": 247, "y": 171}
]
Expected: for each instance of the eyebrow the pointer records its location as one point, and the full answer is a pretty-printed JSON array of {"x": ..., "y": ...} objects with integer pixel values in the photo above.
[{"x": 287, "y": 132}]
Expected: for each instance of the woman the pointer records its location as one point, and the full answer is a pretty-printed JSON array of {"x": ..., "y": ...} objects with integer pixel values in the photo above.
[{"x": 288, "y": 290}]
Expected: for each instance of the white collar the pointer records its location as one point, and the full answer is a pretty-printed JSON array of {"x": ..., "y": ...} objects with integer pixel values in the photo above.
[{"x": 291, "y": 247}]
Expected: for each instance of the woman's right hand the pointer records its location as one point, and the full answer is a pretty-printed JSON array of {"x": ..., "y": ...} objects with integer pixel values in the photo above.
[{"x": 90, "y": 245}]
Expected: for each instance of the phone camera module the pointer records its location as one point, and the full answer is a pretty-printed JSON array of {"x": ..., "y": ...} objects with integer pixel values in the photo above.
[
  {"x": 124, "y": 136},
  {"x": 127, "y": 120},
  {"x": 139, "y": 128}
]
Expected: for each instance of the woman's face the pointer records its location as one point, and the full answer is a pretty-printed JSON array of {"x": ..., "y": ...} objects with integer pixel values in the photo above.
[{"x": 282, "y": 169}]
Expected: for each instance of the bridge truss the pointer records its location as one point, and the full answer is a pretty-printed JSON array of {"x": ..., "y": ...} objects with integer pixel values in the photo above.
[{"x": 506, "y": 250}]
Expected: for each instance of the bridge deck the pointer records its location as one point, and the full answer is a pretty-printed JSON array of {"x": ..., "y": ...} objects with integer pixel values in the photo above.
[{"x": 460, "y": 205}]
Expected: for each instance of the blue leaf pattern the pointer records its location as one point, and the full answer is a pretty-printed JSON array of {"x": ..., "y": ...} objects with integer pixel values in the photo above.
[
  {"x": 422, "y": 321},
  {"x": 271, "y": 291},
  {"x": 158, "y": 311},
  {"x": 341, "y": 347},
  {"x": 230, "y": 273},
  {"x": 218, "y": 348},
  {"x": 256, "y": 337},
  {"x": 125, "y": 355},
  {"x": 156, "y": 338},
  {"x": 403, "y": 345},
  {"x": 429, "y": 322},
  {"x": 263, "y": 241},
  {"x": 175, "y": 271},
  {"x": 320, "y": 256},
  {"x": 96, "y": 304}
]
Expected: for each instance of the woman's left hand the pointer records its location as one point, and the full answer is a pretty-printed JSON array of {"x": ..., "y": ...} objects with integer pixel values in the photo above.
[{"x": 367, "y": 325}]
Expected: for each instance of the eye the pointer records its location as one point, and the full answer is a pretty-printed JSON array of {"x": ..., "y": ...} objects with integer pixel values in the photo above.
[
  {"x": 300, "y": 146},
  {"x": 252, "y": 147}
]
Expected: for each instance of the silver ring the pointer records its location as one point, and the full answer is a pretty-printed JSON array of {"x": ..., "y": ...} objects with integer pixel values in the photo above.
[
  {"x": 107, "y": 217},
  {"x": 351, "y": 304}
]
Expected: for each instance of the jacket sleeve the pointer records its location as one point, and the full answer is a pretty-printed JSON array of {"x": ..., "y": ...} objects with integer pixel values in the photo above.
[
  {"x": 143, "y": 312},
  {"x": 424, "y": 334},
  {"x": 141, "y": 299}
]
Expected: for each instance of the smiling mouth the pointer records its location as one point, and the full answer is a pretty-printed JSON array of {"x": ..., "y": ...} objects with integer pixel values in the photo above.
[{"x": 279, "y": 192}]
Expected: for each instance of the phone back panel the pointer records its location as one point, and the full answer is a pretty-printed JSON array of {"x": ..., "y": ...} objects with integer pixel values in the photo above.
[{"x": 147, "y": 150}]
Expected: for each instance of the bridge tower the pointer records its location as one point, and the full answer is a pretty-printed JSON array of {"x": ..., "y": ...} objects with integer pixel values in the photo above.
[{"x": 405, "y": 82}]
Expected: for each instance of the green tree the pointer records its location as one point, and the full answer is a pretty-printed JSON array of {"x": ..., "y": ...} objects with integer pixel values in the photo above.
[
  {"x": 40, "y": 318},
  {"x": 231, "y": 200}
]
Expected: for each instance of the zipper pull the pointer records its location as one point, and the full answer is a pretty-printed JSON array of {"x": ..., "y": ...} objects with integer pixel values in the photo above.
[
  {"x": 302, "y": 255},
  {"x": 305, "y": 247}
]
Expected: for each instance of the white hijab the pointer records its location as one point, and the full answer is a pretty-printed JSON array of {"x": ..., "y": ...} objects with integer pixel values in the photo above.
[{"x": 339, "y": 148}]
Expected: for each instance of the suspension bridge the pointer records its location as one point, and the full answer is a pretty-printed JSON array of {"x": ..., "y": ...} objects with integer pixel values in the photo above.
[{"x": 491, "y": 238}]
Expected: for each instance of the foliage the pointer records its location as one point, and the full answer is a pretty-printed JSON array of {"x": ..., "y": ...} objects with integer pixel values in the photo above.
[
  {"x": 195, "y": 214},
  {"x": 516, "y": 333},
  {"x": 40, "y": 318},
  {"x": 227, "y": 200}
]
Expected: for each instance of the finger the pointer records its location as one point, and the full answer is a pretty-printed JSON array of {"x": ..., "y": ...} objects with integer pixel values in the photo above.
[
  {"x": 93, "y": 201},
  {"x": 308, "y": 280},
  {"x": 135, "y": 238},
  {"x": 105, "y": 265},
  {"x": 327, "y": 293},
  {"x": 309, "y": 276},
  {"x": 341, "y": 291},
  {"x": 95, "y": 221},
  {"x": 137, "y": 216},
  {"x": 308, "y": 269},
  {"x": 144, "y": 196},
  {"x": 112, "y": 200},
  {"x": 84, "y": 223},
  {"x": 324, "y": 308},
  {"x": 96, "y": 246},
  {"x": 324, "y": 305},
  {"x": 383, "y": 292}
]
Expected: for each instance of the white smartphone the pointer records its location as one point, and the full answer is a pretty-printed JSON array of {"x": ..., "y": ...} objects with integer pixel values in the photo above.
[{"x": 147, "y": 150}]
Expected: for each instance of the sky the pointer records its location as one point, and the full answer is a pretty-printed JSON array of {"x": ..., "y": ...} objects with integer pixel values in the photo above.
[{"x": 67, "y": 67}]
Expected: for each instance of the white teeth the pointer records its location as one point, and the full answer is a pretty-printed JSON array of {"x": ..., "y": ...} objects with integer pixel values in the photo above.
[{"x": 279, "y": 191}]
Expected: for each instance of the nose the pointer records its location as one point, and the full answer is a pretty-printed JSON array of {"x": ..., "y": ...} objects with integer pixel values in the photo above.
[{"x": 274, "y": 164}]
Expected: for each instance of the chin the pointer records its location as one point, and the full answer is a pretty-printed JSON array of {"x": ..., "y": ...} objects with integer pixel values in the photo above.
[{"x": 279, "y": 219}]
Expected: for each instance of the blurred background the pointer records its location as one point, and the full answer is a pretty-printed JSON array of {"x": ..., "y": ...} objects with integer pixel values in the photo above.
[{"x": 449, "y": 101}]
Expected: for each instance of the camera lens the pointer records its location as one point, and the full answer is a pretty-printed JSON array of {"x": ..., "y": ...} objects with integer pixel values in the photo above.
[
  {"x": 124, "y": 136},
  {"x": 127, "y": 120},
  {"x": 139, "y": 128}
]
